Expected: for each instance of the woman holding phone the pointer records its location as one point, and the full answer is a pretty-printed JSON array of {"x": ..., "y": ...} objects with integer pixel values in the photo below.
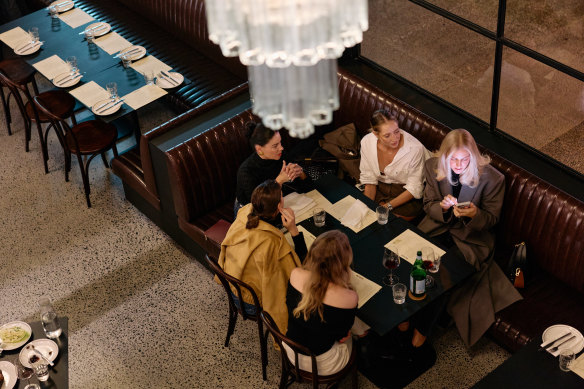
[{"x": 462, "y": 200}]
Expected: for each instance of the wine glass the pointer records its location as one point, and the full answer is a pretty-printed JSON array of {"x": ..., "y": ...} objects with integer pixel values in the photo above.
[
  {"x": 390, "y": 261},
  {"x": 428, "y": 258},
  {"x": 24, "y": 373}
]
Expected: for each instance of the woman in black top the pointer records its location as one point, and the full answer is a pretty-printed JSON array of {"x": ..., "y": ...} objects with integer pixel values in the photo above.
[
  {"x": 266, "y": 163},
  {"x": 322, "y": 305}
]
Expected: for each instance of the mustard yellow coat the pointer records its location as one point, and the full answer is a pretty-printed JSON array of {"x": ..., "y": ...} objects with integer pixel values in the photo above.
[{"x": 262, "y": 258}]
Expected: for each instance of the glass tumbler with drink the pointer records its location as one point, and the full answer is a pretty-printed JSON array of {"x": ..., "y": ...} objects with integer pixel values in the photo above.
[
  {"x": 126, "y": 60},
  {"x": 391, "y": 262},
  {"x": 72, "y": 62},
  {"x": 567, "y": 357},
  {"x": 89, "y": 35},
  {"x": 399, "y": 293},
  {"x": 25, "y": 373},
  {"x": 428, "y": 259},
  {"x": 319, "y": 217},
  {"x": 112, "y": 89},
  {"x": 49, "y": 319},
  {"x": 382, "y": 214},
  {"x": 34, "y": 34}
]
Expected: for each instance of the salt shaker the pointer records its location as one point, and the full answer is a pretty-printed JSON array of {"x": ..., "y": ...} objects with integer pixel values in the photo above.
[{"x": 49, "y": 319}]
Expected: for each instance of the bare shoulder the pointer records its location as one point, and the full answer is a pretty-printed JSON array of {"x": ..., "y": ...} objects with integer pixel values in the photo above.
[
  {"x": 339, "y": 297},
  {"x": 298, "y": 278}
]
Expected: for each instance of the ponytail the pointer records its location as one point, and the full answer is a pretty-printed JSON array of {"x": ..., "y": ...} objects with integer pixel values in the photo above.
[{"x": 265, "y": 199}]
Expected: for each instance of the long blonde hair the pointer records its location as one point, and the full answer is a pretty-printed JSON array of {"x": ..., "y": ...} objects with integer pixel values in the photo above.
[
  {"x": 461, "y": 139},
  {"x": 328, "y": 261}
]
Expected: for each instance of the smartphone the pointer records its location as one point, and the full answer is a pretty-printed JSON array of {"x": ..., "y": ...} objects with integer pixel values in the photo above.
[{"x": 465, "y": 204}]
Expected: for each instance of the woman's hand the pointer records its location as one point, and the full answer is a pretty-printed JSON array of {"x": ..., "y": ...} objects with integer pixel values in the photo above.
[
  {"x": 471, "y": 211},
  {"x": 283, "y": 175},
  {"x": 346, "y": 337},
  {"x": 448, "y": 202},
  {"x": 289, "y": 220},
  {"x": 294, "y": 171}
]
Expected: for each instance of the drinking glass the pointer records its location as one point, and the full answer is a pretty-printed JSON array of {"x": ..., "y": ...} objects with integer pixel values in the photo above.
[
  {"x": 390, "y": 261},
  {"x": 148, "y": 77},
  {"x": 34, "y": 34},
  {"x": 25, "y": 373},
  {"x": 382, "y": 214},
  {"x": 49, "y": 319},
  {"x": 112, "y": 89},
  {"x": 126, "y": 60},
  {"x": 567, "y": 356},
  {"x": 54, "y": 12},
  {"x": 319, "y": 217},
  {"x": 399, "y": 293},
  {"x": 89, "y": 35},
  {"x": 72, "y": 62},
  {"x": 436, "y": 264},
  {"x": 428, "y": 258},
  {"x": 41, "y": 370}
]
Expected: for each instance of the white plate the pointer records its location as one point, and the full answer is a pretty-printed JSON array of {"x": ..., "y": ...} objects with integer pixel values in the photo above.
[
  {"x": 24, "y": 326},
  {"x": 67, "y": 83},
  {"x": 64, "y": 7},
  {"x": 10, "y": 374},
  {"x": 558, "y": 330},
  {"x": 108, "y": 111},
  {"x": 46, "y": 346},
  {"x": 136, "y": 55},
  {"x": 103, "y": 28},
  {"x": 26, "y": 49},
  {"x": 165, "y": 84}
]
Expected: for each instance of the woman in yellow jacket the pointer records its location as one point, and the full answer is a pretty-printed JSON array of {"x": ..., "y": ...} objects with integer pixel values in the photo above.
[{"x": 257, "y": 253}]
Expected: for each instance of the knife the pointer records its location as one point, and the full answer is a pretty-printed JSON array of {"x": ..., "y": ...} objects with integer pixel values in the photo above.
[
  {"x": 43, "y": 356},
  {"x": 551, "y": 342},
  {"x": 69, "y": 78},
  {"x": 92, "y": 28},
  {"x": 169, "y": 80},
  {"x": 29, "y": 46},
  {"x": 62, "y": 4},
  {"x": 133, "y": 51},
  {"x": 66, "y": 77},
  {"x": 168, "y": 76},
  {"x": 105, "y": 108}
]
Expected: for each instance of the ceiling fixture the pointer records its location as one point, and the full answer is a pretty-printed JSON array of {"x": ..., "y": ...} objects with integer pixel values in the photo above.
[{"x": 290, "y": 48}]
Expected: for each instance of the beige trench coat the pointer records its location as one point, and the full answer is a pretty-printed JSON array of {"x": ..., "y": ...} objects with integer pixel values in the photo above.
[{"x": 473, "y": 305}]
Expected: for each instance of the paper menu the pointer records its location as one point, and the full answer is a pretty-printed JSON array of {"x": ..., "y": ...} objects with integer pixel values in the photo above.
[
  {"x": 338, "y": 210},
  {"x": 578, "y": 366},
  {"x": 52, "y": 67},
  {"x": 151, "y": 64},
  {"x": 89, "y": 94},
  {"x": 308, "y": 237},
  {"x": 143, "y": 96},
  {"x": 76, "y": 17},
  {"x": 408, "y": 243},
  {"x": 14, "y": 37},
  {"x": 319, "y": 202},
  {"x": 112, "y": 42},
  {"x": 364, "y": 287}
]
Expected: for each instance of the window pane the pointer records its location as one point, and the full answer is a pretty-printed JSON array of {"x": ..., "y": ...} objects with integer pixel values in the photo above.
[
  {"x": 483, "y": 12},
  {"x": 542, "y": 107},
  {"x": 438, "y": 55},
  {"x": 554, "y": 28}
]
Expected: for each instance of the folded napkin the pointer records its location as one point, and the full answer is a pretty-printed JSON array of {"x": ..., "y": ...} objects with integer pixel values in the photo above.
[
  {"x": 355, "y": 215},
  {"x": 89, "y": 94},
  {"x": 76, "y": 17},
  {"x": 150, "y": 64},
  {"x": 52, "y": 66},
  {"x": 578, "y": 366},
  {"x": 143, "y": 96},
  {"x": 15, "y": 37},
  {"x": 112, "y": 42},
  {"x": 298, "y": 203}
]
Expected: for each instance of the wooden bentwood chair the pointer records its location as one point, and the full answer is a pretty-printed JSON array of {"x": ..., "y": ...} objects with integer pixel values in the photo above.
[
  {"x": 234, "y": 309},
  {"x": 20, "y": 73},
  {"x": 86, "y": 139},
  {"x": 291, "y": 372}
]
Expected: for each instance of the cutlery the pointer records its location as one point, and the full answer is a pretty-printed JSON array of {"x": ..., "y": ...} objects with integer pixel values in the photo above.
[
  {"x": 29, "y": 46},
  {"x": 69, "y": 78},
  {"x": 92, "y": 28},
  {"x": 133, "y": 51},
  {"x": 63, "y": 3},
  {"x": 548, "y": 344},
  {"x": 41, "y": 355},
  {"x": 168, "y": 75},
  {"x": 104, "y": 104},
  {"x": 105, "y": 108},
  {"x": 170, "y": 81},
  {"x": 554, "y": 349}
]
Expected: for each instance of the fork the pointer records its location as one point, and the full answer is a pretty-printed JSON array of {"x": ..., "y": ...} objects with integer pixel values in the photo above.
[{"x": 556, "y": 348}]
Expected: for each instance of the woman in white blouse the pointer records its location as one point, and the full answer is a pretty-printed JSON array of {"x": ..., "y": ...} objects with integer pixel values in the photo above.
[{"x": 392, "y": 166}]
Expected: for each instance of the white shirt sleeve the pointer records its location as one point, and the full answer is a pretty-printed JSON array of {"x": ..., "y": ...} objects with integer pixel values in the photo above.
[
  {"x": 369, "y": 166},
  {"x": 415, "y": 179}
]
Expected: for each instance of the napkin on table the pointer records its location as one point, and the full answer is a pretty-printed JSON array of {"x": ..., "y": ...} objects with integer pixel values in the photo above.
[
  {"x": 299, "y": 203},
  {"x": 52, "y": 67},
  {"x": 355, "y": 215},
  {"x": 578, "y": 366},
  {"x": 112, "y": 42},
  {"x": 143, "y": 96},
  {"x": 89, "y": 94},
  {"x": 150, "y": 63},
  {"x": 15, "y": 37},
  {"x": 76, "y": 17}
]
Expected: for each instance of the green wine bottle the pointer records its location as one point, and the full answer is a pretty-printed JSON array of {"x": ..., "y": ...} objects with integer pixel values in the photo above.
[{"x": 418, "y": 277}]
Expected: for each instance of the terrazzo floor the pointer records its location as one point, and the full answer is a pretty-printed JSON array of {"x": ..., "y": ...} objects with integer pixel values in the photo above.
[{"x": 142, "y": 312}]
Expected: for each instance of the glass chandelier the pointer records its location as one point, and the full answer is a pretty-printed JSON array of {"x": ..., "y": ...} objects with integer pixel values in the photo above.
[{"x": 290, "y": 48}]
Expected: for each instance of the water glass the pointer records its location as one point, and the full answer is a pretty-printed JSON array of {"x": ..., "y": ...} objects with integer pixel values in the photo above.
[
  {"x": 112, "y": 89},
  {"x": 34, "y": 34},
  {"x": 72, "y": 62},
  {"x": 42, "y": 371},
  {"x": 54, "y": 12},
  {"x": 382, "y": 214},
  {"x": 89, "y": 35},
  {"x": 319, "y": 217},
  {"x": 126, "y": 60},
  {"x": 399, "y": 293},
  {"x": 567, "y": 357},
  {"x": 148, "y": 77},
  {"x": 49, "y": 319}
]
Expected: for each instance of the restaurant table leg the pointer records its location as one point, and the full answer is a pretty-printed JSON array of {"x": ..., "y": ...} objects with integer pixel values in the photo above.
[{"x": 137, "y": 131}]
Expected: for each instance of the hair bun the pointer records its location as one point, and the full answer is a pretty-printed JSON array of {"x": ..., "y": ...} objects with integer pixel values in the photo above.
[{"x": 249, "y": 128}]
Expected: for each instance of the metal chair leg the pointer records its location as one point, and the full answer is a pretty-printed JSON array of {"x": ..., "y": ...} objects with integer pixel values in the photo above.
[
  {"x": 263, "y": 348},
  {"x": 6, "y": 108},
  {"x": 231, "y": 327}
]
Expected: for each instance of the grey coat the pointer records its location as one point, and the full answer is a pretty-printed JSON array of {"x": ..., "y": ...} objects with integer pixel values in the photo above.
[{"x": 474, "y": 304}]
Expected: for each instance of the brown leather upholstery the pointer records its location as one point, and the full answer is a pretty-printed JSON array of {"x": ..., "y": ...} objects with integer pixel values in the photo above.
[{"x": 203, "y": 175}]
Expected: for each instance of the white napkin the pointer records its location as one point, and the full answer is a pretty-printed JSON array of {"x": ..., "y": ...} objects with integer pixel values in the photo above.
[
  {"x": 76, "y": 17},
  {"x": 578, "y": 366},
  {"x": 355, "y": 215},
  {"x": 299, "y": 203}
]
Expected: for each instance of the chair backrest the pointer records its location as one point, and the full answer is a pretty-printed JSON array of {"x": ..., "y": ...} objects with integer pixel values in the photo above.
[
  {"x": 59, "y": 123},
  {"x": 287, "y": 366},
  {"x": 229, "y": 281},
  {"x": 14, "y": 89}
]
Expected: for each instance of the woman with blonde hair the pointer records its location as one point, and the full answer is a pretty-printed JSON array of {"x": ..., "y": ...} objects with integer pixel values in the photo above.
[
  {"x": 463, "y": 200},
  {"x": 322, "y": 305}
]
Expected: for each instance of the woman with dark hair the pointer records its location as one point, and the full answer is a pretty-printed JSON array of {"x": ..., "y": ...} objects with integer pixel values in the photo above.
[
  {"x": 322, "y": 304},
  {"x": 265, "y": 163},
  {"x": 257, "y": 253},
  {"x": 392, "y": 166}
]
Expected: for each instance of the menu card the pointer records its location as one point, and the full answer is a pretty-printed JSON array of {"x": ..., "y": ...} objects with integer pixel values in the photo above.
[
  {"x": 112, "y": 42},
  {"x": 143, "y": 96},
  {"x": 89, "y": 94},
  {"x": 364, "y": 287},
  {"x": 15, "y": 37},
  {"x": 308, "y": 237},
  {"x": 151, "y": 64},
  {"x": 52, "y": 66},
  {"x": 76, "y": 17},
  {"x": 319, "y": 202},
  {"x": 408, "y": 243},
  {"x": 340, "y": 208},
  {"x": 578, "y": 366}
]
